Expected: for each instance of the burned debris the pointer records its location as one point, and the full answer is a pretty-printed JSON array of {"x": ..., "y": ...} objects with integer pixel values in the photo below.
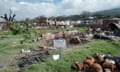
[
  {"x": 112, "y": 32},
  {"x": 35, "y": 56},
  {"x": 97, "y": 63},
  {"x": 115, "y": 28}
]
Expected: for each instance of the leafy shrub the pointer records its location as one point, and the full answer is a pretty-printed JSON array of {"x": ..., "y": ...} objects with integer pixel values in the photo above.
[{"x": 29, "y": 33}]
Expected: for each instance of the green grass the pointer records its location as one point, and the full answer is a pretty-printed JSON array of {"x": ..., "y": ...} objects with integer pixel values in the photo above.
[
  {"x": 80, "y": 29},
  {"x": 8, "y": 48},
  {"x": 12, "y": 44},
  {"x": 74, "y": 54},
  {"x": 79, "y": 53}
]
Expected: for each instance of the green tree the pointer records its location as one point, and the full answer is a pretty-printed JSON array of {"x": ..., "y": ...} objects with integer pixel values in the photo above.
[{"x": 27, "y": 23}]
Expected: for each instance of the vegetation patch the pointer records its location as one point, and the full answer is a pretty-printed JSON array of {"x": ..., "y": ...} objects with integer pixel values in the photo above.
[{"x": 79, "y": 53}]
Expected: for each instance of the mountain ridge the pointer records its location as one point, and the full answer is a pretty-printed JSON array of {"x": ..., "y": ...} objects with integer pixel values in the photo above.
[{"x": 115, "y": 11}]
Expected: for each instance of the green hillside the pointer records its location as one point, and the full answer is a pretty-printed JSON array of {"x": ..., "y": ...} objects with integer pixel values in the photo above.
[{"x": 113, "y": 12}]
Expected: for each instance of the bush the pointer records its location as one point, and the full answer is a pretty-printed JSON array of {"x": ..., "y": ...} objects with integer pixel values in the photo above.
[
  {"x": 15, "y": 28},
  {"x": 29, "y": 33}
]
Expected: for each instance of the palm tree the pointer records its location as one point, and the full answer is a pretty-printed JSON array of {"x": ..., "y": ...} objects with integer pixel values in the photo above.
[{"x": 8, "y": 18}]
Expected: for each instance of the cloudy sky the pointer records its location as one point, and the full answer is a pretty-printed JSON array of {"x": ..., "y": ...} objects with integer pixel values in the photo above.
[{"x": 33, "y": 8}]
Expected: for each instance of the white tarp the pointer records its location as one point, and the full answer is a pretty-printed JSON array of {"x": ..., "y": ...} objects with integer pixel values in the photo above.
[{"x": 56, "y": 57}]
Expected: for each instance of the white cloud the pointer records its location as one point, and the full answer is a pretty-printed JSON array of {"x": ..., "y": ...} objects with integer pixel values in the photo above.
[
  {"x": 23, "y": 3},
  {"x": 48, "y": 0},
  {"x": 49, "y": 8},
  {"x": 77, "y": 6}
]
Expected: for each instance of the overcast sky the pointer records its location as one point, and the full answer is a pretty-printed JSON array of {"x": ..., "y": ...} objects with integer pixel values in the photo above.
[{"x": 33, "y": 8}]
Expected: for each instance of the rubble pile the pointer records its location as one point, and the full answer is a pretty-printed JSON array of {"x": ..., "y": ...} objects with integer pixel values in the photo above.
[{"x": 97, "y": 63}]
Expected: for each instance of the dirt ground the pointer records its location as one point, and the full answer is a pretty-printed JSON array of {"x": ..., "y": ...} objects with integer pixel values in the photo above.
[{"x": 4, "y": 60}]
